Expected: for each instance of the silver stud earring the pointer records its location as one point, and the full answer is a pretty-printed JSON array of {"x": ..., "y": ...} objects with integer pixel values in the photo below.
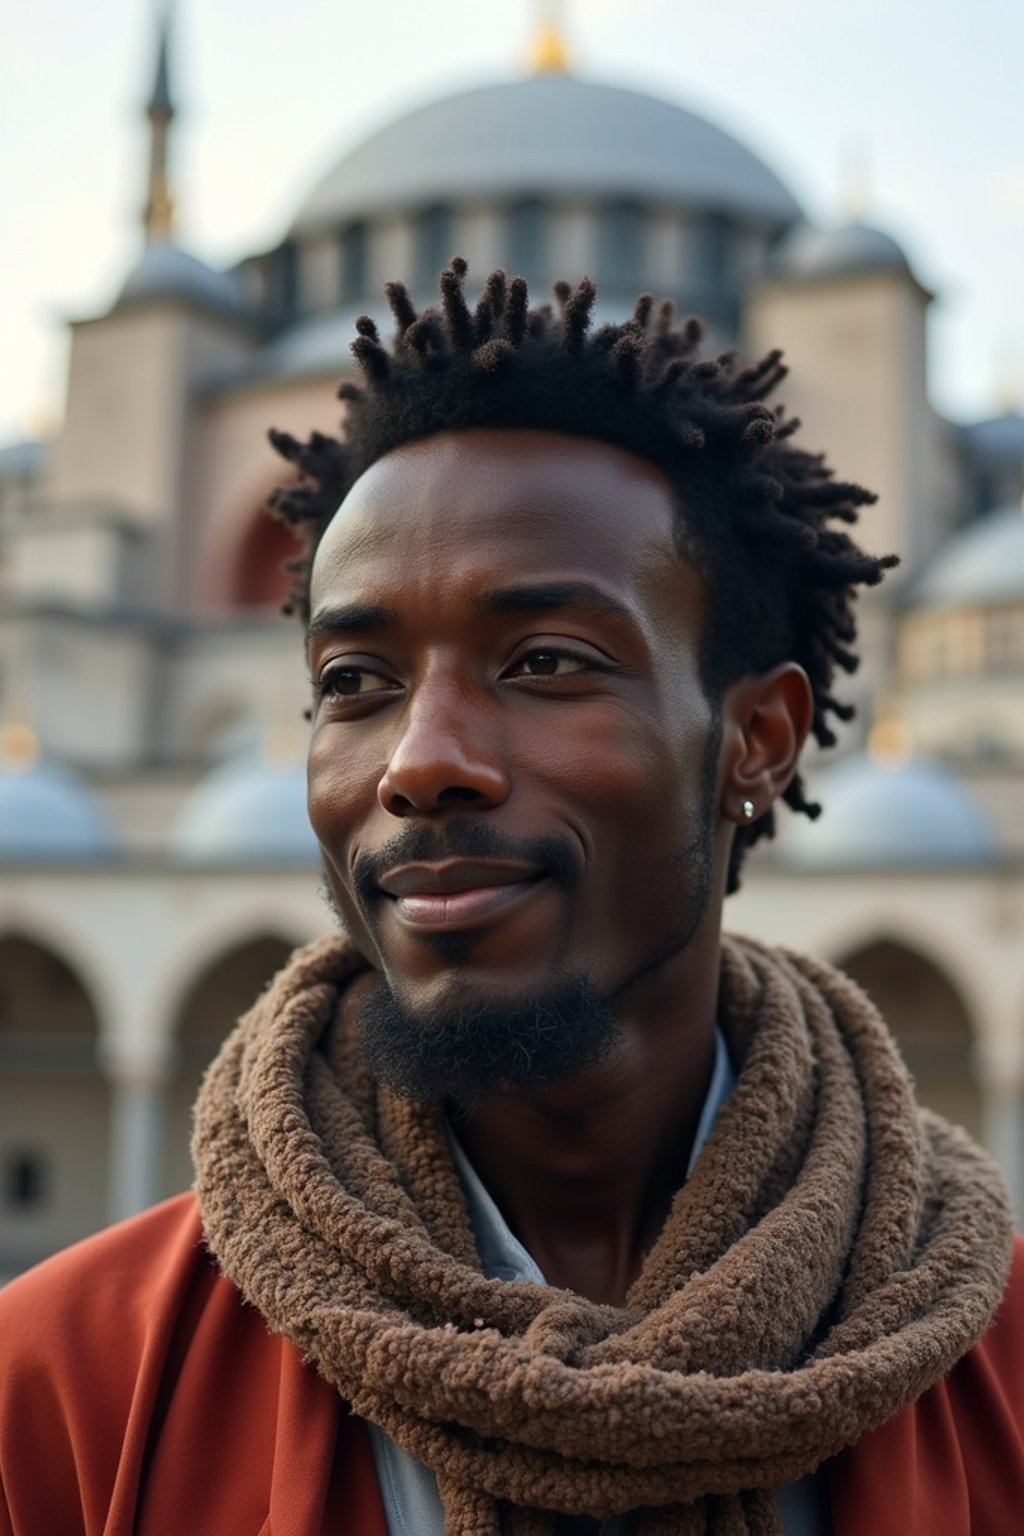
[{"x": 748, "y": 809}]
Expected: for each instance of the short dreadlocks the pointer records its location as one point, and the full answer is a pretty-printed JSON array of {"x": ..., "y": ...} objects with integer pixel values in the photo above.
[{"x": 754, "y": 513}]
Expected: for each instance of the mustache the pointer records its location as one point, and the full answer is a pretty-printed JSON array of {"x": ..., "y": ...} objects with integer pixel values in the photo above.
[{"x": 464, "y": 837}]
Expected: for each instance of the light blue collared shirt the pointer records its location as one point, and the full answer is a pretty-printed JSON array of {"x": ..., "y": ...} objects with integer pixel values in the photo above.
[{"x": 412, "y": 1505}]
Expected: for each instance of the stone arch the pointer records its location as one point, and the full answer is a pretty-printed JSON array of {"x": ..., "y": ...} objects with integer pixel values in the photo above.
[
  {"x": 50, "y": 929},
  {"x": 244, "y": 551},
  {"x": 54, "y": 1103},
  {"x": 256, "y": 576},
  {"x": 926, "y": 1010},
  {"x": 210, "y": 1005}
]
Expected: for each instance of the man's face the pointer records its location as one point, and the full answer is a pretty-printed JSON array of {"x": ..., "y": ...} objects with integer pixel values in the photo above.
[{"x": 512, "y": 771}]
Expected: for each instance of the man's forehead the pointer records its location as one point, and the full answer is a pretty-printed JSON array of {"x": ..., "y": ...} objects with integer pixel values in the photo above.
[{"x": 516, "y": 494}]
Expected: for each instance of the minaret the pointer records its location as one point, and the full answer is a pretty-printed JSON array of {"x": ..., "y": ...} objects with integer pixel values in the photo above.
[
  {"x": 132, "y": 427},
  {"x": 549, "y": 54},
  {"x": 158, "y": 218}
]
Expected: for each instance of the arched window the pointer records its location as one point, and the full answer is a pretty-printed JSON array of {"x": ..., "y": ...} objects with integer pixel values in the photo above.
[
  {"x": 527, "y": 241},
  {"x": 925, "y": 1012},
  {"x": 433, "y": 247},
  {"x": 54, "y": 1107},
  {"x": 354, "y": 265},
  {"x": 621, "y": 254},
  {"x": 213, "y": 1004}
]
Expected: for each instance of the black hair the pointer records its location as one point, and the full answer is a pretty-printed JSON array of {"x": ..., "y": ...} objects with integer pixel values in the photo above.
[{"x": 761, "y": 518}]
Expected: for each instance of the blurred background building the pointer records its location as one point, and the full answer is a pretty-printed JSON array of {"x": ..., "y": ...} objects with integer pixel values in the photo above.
[{"x": 157, "y": 864}]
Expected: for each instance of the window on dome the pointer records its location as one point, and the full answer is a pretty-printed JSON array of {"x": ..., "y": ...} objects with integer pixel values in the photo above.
[
  {"x": 285, "y": 283},
  {"x": 621, "y": 247},
  {"x": 433, "y": 246},
  {"x": 354, "y": 251},
  {"x": 712, "y": 257},
  {"x": 527, "y": 240}
]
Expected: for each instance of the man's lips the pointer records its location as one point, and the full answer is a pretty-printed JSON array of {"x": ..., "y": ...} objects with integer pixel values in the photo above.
[
  {"x": 459, "y": 893},
  {"x": 454, "y": 875}
]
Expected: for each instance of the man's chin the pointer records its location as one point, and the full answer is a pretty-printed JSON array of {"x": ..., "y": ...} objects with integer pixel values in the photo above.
[
  {"x": 470, "y": 1044},
  {"x": 458, "y": 990}
]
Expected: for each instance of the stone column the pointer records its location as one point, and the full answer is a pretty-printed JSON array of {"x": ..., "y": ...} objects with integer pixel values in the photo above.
[
  {"x": 138, "y": 1073},
  {"x": 1000, "y": 1072}
]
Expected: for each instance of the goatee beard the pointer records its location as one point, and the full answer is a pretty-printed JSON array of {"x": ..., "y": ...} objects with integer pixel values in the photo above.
[
  {"x": 474, "y": 1047},
  {"x": 478, "y": 1048}
]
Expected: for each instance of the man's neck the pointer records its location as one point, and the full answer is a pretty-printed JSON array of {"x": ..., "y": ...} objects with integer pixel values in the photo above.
[{"x": 585, "y": 1174}]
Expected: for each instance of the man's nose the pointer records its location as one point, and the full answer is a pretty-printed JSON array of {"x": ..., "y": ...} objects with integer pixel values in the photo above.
[{"x": 445, "y": 756}]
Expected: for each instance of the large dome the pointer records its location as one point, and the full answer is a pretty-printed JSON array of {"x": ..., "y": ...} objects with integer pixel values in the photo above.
[{"x": 545, "y": 136}]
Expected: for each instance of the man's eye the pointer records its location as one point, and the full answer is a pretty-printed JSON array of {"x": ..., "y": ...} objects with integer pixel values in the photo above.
[
  {"x": 350, "y": 682},
  {"x": 550, "y": 663}
]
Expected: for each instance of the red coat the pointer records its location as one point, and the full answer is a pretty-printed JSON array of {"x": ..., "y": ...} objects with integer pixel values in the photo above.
[{"x": 140, "y": 1397}]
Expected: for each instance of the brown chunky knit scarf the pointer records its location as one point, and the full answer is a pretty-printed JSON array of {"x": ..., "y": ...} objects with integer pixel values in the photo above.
[{"x": 833, "y": 1253}]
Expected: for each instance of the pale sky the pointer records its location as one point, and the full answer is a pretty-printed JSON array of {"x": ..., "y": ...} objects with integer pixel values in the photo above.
[{"x": 926, "y": 98}]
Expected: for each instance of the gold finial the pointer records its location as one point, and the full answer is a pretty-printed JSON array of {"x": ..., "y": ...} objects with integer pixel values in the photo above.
[
  {"x": 158, "y": 215},
  {"x": 550, "y": 55},
  {"x": 19, "y": 747}
]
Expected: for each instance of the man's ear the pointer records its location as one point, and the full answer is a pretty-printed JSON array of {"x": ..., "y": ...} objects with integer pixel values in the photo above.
[{"x": 766, "y": 718}]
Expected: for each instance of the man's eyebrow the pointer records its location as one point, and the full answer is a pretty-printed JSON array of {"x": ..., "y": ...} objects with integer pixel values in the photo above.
[
  {"x": 354, "y": 619},
  {"x": 546, "y": 596}
]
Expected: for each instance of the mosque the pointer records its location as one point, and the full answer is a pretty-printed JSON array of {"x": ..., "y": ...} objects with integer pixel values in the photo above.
[{"x": 157, "y": 863}]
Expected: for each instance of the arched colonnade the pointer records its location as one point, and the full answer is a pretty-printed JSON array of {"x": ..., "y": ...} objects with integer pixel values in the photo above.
[
  {"x": 101, "y": 1055},
  {"x": 113, "y": 1000},
  {"x": 942, "y": 955}
]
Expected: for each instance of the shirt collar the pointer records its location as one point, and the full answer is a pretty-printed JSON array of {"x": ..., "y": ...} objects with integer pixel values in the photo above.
[{"x": 502, "y": 1255}]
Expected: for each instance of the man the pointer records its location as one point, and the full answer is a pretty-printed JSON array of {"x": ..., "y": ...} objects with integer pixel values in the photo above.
[{"x": 592, "y": 1218}]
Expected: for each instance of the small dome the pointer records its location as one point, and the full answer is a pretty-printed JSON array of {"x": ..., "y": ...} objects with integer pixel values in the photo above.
[
  {"x": 248, "y": 811},
  {"x": 811, "y": 252},
  {"x": 547, "y": 135},
  {"x": 165, "y": 271},
  {"x": 49, "y": 814},
  {"x": 983, "y": 564},
  {"x": 874, "y": 816}
]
